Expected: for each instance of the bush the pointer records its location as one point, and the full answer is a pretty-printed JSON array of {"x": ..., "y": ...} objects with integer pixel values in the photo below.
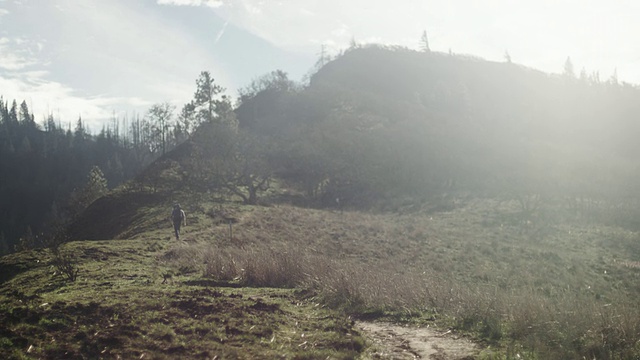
[{"x": 64, "y": 264}]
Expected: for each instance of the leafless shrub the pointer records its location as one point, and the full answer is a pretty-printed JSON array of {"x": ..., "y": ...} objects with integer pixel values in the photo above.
[
  {"x": 184, "y": 258},
  {"x": 274, "y": 267},
  {"x": 221, "y": 265},
  {"x": 64, "y": 264}
]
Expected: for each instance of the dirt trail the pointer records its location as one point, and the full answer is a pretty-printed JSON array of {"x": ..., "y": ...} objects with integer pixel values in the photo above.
[{"x": 400, "y": 342}]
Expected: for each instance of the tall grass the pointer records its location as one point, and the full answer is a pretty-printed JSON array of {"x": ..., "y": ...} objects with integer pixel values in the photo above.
[{"x": 489, "y": 287}]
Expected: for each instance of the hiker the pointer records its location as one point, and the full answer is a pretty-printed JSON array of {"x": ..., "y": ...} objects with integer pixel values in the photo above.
[{"x": 178, "y": 218}]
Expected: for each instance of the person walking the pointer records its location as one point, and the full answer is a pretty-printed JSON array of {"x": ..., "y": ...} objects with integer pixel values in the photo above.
[{"x": 178, "y": 218}]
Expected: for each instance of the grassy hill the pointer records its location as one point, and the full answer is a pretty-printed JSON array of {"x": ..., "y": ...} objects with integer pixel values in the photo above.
[
  {"x": 287, "y": 281},
  {"x": 423, "y": 189},
  {"x": 146, "y": 297}
]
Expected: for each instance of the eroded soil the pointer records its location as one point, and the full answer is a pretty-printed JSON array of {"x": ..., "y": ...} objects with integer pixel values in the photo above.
[{"x": 392, "y": 341}]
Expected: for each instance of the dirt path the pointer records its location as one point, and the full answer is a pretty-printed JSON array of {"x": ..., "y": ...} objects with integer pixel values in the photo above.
[{"x": 400, "y": 342}]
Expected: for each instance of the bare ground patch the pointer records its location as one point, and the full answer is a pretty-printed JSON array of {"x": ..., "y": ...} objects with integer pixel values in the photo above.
[{"x": 392, "y": 341}]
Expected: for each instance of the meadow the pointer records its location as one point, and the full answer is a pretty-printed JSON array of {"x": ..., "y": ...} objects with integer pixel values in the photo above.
[{"x": 284, "y": 281}]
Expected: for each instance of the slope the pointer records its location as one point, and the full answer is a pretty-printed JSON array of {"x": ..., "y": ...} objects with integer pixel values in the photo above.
[
  {"x": 454, "y": 212},
  {"x": 128, "y": 301}
]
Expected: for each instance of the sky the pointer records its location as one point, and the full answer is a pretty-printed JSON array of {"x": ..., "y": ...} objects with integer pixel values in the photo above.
[{"x": 97, "y": 59}]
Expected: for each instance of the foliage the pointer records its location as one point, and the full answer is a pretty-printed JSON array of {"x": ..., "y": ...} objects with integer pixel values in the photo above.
[
  {"x": 275, "y": 81},
  {"x": 95, "y": 187},
  {"x": 379, "y": 124},
  {"x": 42, "y": 164},
  {"x": 209, "y": 105},
  {"x": 477, "y": 168},
  {"x": 161, "y": 126},
  {"x": 65, "y": 264},
  {"x": 139, "y": 316},
  {"x": 246, "y": 172}
]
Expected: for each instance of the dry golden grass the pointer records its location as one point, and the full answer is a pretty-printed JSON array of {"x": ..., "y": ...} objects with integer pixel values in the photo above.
[{"x": 559, "y": 289}]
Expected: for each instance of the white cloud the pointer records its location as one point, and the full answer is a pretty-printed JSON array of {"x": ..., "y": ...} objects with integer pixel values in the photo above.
[
  {"x": 12, "y": 62},
  {"x": 341, "y": 32},
  {"x": 47, "y": 97},
  {"x": 93, "y": 58},
  {"x": 540, "y": 33},
  {"x": 221, "y": 32},
  {"x": 4, "y": 12},
  {"x": 210, "y": 3},
  {"x": 302, "y": 25},
  {"x": 15, "y": 54}
]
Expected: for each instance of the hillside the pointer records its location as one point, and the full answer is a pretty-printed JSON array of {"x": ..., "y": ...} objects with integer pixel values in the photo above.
[
  {"x": 474, "y": 269},
  {"x": 486, "y": 200},
  {"x": 387, "y": 124}
]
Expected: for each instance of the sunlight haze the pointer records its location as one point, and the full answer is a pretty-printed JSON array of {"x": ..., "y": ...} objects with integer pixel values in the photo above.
[{"x": 99, "y": 58}]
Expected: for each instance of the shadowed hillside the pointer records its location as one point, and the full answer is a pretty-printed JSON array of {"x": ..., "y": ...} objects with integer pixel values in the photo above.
[
  {"x": 377, "y": 125},
  {"x": 484, "y": 199},
  {"x": 114, "y": 216}
]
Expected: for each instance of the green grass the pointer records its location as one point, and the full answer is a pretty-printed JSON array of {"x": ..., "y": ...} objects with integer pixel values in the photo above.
[
  {"x": 561, "y": 287},
  {"x": 118, "y": 306},
  {"x": 287, "y": 282}
]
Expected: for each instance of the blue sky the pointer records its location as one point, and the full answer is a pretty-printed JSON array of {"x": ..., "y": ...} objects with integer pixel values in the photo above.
[{"x": 96, "y": 58}]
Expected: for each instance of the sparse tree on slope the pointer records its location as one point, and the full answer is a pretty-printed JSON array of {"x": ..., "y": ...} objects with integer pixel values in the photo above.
[
  {"x": 95, "y": 187},
  {"x": 160, "y": 117},
  {"x": 424, "y": 42},
  {"x": 208, "y": 103},
  {"x": 186, "y": 120},
  {"x": 246, "y": 172},
  {"x": 568, "y": 68}
]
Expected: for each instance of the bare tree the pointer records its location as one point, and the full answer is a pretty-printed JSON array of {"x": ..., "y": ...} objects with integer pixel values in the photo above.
[{"x": 161, "y": 120}]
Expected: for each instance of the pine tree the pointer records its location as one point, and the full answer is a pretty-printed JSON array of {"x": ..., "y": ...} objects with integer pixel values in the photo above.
[
  {"x": 25, "y": 118},
  {"x": 13, "y": 113},
  {"x": 94, "y": 188},
  {"x": 96, "y": 184},
  {"x": 353, "y": 44},
  {"x": 613, "y": 80},
  {"x": 79, "y": 134},
  {"x": 186, "y": 118},
  {"x": 323, "y": 57},
  {"x": 568, "y": 68},
  {"x": 206, "y": 99},
  {"x": 583, "y": 75},
  {"x": 424, "y": 42}
]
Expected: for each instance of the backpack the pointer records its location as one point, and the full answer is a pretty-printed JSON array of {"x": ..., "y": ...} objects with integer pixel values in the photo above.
[{"x": 177, "y": 215}]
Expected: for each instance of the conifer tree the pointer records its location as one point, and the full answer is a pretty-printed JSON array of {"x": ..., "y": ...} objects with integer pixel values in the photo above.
[
  {"x": 26, "y": 118},
  {"x": 96, "y": 184},
  {"x": 95, "y": 187},
  {"x": 507, "y": 57},
  {"x": 568, "y": 68},
  {"x": 424, "y": 42},
  {"x": 13, "y": 113},
  {"x": 206, "y": 98}
]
